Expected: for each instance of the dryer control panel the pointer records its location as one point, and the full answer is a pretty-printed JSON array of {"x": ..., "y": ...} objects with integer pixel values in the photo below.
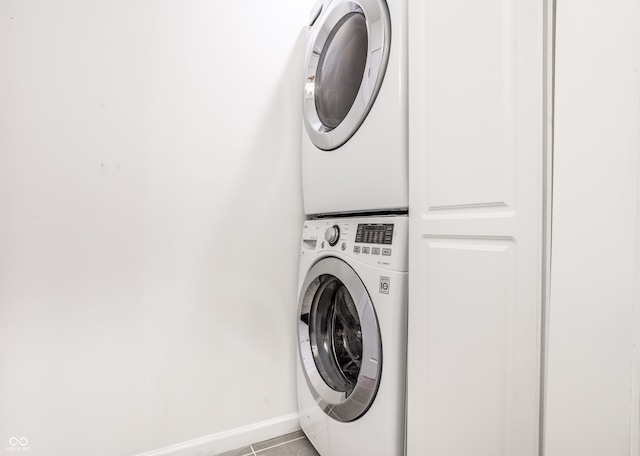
[{"x": 378, "y": 241}]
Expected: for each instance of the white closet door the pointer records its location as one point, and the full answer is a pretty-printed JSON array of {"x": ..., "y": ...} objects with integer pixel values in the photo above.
[
  {"x": 476, "y": 224},
  {"x": 593, "y": 369}
]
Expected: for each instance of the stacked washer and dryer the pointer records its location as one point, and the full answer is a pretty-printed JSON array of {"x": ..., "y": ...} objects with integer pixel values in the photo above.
[{"x": 352, "y": 309}]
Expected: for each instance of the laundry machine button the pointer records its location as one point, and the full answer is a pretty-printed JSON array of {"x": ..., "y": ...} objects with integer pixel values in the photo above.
[
  {"x": 332, "y": 234},
  {"x": 356, "y": 249},
  {"x": 365, "y": 250},
  {"x": 375, "y": 251},
  {"x": 386, "y": 252}
]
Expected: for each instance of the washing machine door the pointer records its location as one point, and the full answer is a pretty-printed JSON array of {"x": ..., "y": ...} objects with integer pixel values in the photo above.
[
  {"x": 339, "y": 337},
  {"x": 347, "y": 56}
]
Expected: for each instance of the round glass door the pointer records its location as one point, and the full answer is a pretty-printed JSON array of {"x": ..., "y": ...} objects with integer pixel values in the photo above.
[
  {"x": 339, "y": 340},
  {"x": 340, "y": 69},
  {"x": 345, "y": 65}
]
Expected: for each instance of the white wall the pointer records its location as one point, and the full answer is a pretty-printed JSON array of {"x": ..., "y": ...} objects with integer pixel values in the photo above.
[
  {"x": 592, "y": 402},
  {"x": 149, "y": 217}
]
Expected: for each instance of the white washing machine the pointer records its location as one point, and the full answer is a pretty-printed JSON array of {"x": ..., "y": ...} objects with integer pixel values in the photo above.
[
  {"x": 354, "y": 139},
  {"x": 352, "y": 333}
]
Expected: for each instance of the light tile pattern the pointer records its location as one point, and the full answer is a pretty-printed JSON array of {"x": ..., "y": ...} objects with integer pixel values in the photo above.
[{"x": 294, "y": 444}]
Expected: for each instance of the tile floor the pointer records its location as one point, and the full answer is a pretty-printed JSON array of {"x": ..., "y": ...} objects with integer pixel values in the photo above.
[{"x": 294, "y": 444}]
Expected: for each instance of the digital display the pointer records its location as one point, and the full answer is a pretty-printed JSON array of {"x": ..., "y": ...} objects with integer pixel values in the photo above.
[{"x": 375, "y": 233}]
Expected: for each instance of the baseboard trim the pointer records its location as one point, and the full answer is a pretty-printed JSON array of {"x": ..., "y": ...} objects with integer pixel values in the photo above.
[{"x": 230, "y": 440}]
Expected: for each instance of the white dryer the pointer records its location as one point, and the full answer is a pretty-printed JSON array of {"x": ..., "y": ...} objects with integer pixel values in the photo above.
[
  {"x": 352, "y": 333},
  {"x": 354, "y": 139}
]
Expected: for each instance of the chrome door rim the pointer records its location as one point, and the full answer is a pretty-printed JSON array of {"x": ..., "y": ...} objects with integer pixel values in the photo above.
[
  {"x": 379, "y": 39},
  {"x": 340, "y": 405}
]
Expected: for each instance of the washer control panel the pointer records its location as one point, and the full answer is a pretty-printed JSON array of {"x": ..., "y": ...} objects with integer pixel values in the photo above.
[
  {"x": 379, "y": 241},
  {"x": 375, "y": 233}
]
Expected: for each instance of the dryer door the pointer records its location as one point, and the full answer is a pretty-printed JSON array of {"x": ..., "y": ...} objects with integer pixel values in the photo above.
[
  {"x": 339, "y": 339},
  {"x": 347, "y": 56}
]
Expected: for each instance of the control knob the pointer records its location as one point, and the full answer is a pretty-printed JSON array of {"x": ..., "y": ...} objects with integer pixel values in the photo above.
[{"x": 332, "y": 235}]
